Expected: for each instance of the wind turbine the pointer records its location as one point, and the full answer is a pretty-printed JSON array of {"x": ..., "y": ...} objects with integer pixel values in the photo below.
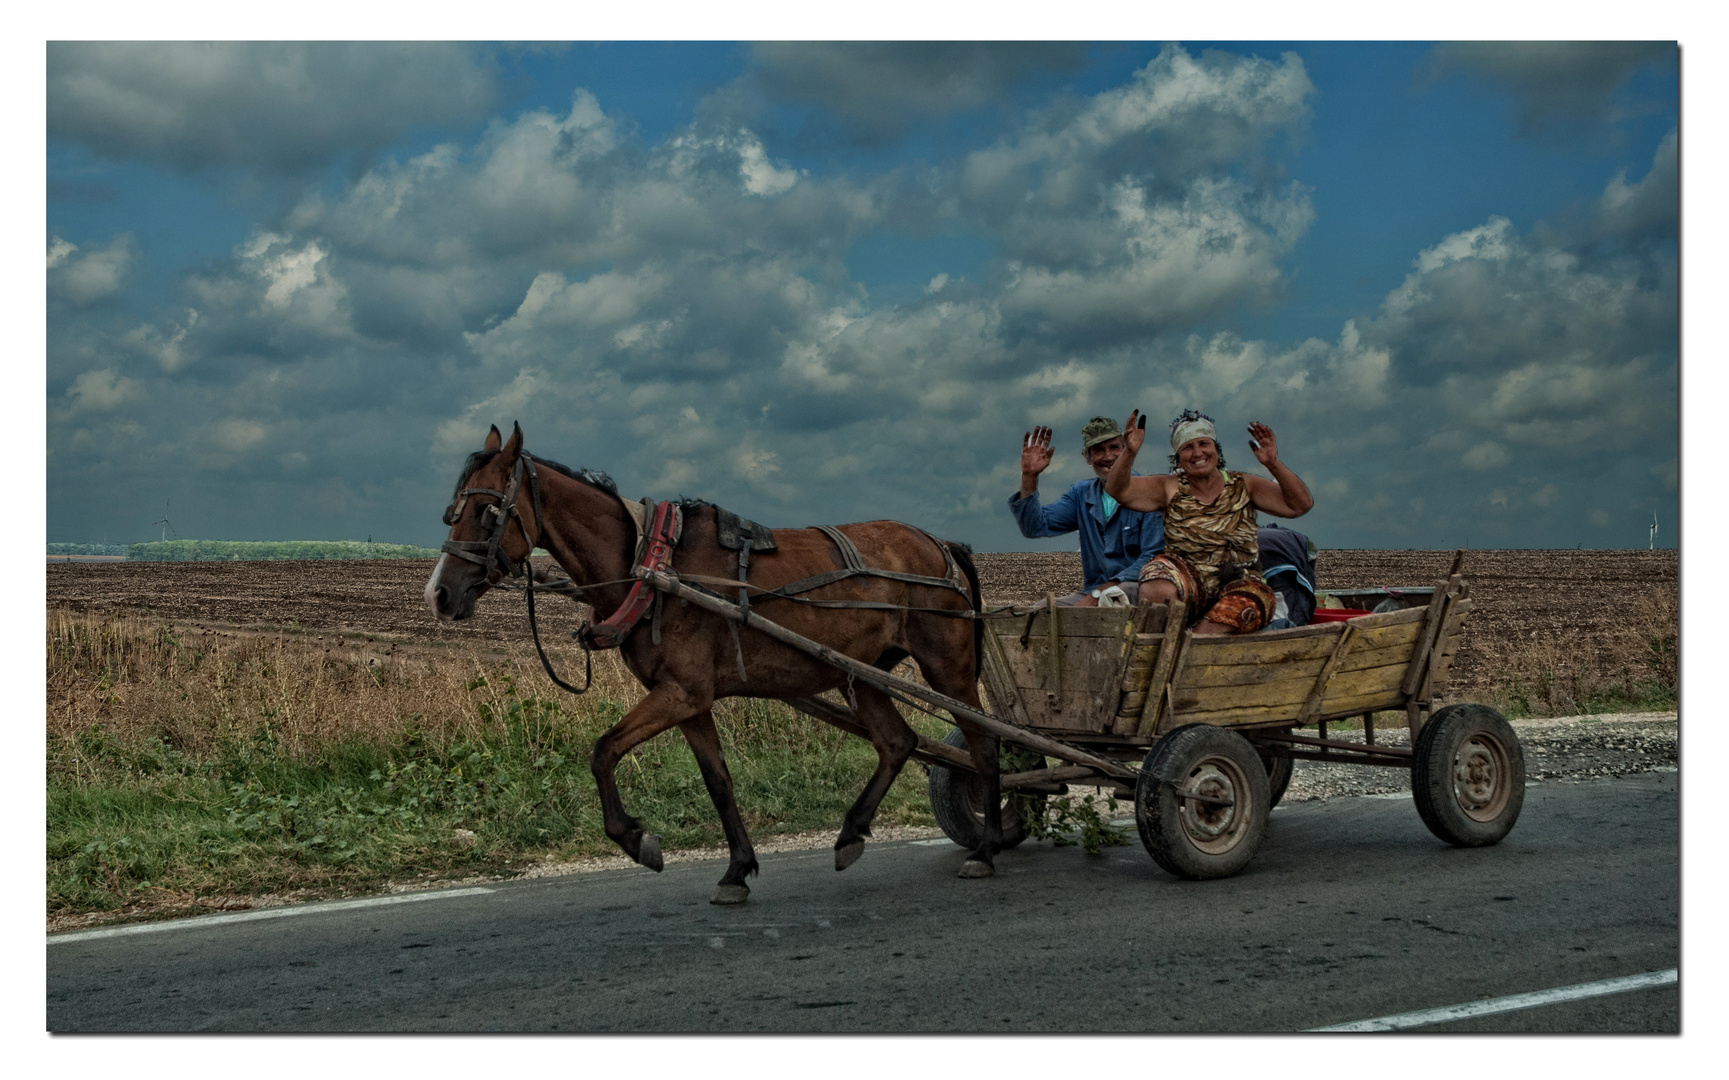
[
  {"x": 1653, "y": 546},
  {"x": 167, "y": 526}
]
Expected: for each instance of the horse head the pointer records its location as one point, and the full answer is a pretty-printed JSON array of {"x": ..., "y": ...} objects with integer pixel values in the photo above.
[{"x": 490, "y": 516}]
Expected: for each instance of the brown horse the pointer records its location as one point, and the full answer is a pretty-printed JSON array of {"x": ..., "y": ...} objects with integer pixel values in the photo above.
[{"x": 697, "y": 660}]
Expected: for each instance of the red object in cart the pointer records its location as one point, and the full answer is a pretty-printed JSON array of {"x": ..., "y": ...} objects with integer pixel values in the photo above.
[{"x": 1336, "y": 614}]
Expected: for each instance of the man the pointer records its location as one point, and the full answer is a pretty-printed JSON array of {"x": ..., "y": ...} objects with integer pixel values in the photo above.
[{"x": 1115, "y": 542}]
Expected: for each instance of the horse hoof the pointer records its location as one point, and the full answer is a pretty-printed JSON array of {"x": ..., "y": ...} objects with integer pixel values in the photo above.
[
  {"x": 847, "y": 854},
  {"x": 730, "y": 894},
  {"x": 973, "y": 868},
  {"x": 648, "y": 852}
]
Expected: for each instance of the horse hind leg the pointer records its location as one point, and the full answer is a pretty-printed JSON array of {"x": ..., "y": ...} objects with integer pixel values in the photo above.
[
  {"x": 660, "y": 709},
  {"x": 983, "y": 747},
  {"x": 699, "y": 732},
  {"x": 894, "y": 742}
]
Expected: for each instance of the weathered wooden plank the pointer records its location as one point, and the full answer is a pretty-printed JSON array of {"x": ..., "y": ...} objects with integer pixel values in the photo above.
[
  {"x": 1312, "y": 704},
  {"x": 1315, "y": 643},
  {"x": 1263, "y": 714},
  {"x": 1427, "y": 693},
  {"x": 1139, "y": 674},
  {"x": 1359, "y": 659},
  {"x": 1125, "y": 657},
  {"x": 1146, "y": 720},
  {"x": 1000, "y": 682},
  {"x": 1432, "y": 625},
  {"x": 1165, "y": 706},
  {"x": 1287, "y": 692}
]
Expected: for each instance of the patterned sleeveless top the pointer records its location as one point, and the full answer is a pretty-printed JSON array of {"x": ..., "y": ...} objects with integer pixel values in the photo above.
[{"x": 1215, "y": 536}]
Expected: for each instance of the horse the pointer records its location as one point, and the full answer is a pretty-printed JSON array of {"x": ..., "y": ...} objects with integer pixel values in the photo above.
[{"x": 687, "y": 658}]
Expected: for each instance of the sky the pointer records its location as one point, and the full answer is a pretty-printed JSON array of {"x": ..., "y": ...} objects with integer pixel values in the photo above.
[{"x": 289, "y": 286}]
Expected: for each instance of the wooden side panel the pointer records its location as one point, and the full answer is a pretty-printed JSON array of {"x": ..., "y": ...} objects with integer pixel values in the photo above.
[
  {"x": 1390, "y": 629},
  {"x": 1096, "y": 648},
  {"x": 1382, "y": 681},
  {"x": 1263, "y": 714},
  {"x": 999, "y": 681}
]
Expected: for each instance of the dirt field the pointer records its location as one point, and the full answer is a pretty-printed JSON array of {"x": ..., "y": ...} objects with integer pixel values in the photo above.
[{"x": 1518, "y": 594}]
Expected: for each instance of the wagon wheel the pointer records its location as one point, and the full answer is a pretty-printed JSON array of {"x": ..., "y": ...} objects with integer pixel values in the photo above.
[
  {"x": 958, "y": 798},
  {"x": 1279, "y": 765},
  {"x": 1198, "y": 839},
  {"x": 1468, "y": 775}
]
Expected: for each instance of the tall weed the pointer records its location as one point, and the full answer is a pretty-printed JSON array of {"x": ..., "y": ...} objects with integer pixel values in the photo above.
[
  {"x": 1627, "y": 663},
  {"x": 187, "y": 764}
]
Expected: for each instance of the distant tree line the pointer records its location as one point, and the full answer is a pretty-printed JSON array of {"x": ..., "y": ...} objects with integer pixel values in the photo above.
[
  {"x": 87, "y": 549},
  {"x": 246, "y": 550}
]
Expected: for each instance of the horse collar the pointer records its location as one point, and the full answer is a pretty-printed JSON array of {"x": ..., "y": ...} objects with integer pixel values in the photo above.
[{"x": 656, "y": 555}]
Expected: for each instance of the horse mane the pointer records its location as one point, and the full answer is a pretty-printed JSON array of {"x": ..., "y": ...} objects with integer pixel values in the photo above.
[{"x": 592, "y": 477}]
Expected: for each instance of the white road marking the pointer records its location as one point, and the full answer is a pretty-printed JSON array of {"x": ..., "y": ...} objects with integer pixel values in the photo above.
[
  {"x": 202, "y": 921},
  {"x": 1511, "y": 1003},
  {"x": 938, "y": 842}
]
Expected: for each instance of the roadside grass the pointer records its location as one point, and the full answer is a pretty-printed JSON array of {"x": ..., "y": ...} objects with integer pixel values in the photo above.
[{"x": 187, "y": 768}]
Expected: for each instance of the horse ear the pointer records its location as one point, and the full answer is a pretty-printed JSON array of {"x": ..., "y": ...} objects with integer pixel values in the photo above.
[
  {"x": 514, "y": 446},
  {"x": 493, "y": 439}
]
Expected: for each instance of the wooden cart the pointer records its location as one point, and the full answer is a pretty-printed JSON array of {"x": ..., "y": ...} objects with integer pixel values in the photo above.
[{"x": 1200, "y": 731}]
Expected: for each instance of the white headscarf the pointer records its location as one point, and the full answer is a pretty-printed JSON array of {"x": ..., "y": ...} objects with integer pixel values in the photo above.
[{"x": 1189, "y": 426}]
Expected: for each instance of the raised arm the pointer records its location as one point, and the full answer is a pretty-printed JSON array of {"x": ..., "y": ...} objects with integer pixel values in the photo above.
[
  {"x": 1283, "y": 496},
  {"x": 1136, "y": 492}
]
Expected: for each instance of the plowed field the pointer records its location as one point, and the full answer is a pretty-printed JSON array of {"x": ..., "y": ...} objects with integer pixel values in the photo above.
[{"x": 1518, "y": 594}]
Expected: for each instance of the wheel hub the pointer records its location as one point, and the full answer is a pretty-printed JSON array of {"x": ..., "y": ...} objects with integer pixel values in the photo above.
[
  {"x": 1479, "y": 771},
  {"x": 1212, "y": 827}
]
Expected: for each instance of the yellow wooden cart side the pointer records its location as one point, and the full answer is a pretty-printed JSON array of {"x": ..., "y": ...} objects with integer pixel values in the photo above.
[{"x": 1121, "y": 674}]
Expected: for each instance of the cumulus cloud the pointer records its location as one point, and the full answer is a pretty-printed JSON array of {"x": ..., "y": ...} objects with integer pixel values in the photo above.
[
  {"x": 101, "y": 391},
  {"x": 90, "y": 274},
  {"x": 1648, "y": 209},
  {"x": 1552, "y": 86},
  {"x": 682, "y": 315},
  {"x": 258, "y": 105}
]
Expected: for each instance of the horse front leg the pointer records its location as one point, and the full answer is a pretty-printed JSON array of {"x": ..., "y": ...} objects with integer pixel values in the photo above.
[
  {"x": 894, "y": 742},
  {"x": 699, "y": 732},
  {"x": 661, "y": 708}
]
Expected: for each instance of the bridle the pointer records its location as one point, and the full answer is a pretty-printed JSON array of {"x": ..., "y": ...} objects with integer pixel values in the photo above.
[{"x": 490, "y": 555}]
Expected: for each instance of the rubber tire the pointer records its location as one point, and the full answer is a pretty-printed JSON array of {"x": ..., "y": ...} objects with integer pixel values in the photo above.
[
  {"x": 1481, "y": 733},
  {"x": 957, "y": 798},
  {"x": 1279, "y": 768},
  {"x": 1159, "y": 813}
]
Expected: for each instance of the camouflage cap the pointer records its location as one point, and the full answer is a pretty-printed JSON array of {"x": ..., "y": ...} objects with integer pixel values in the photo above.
[{"x": 1097, "y": 430}]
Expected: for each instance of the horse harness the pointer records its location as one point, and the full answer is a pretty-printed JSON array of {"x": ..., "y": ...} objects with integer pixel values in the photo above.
[{"x": 657, "y": 537}]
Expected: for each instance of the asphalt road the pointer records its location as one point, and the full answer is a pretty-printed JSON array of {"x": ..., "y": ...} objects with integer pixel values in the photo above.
[{"x": 1350, "y": 911}]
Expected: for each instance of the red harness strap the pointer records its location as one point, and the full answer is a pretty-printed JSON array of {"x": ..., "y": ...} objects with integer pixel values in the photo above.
[{"x": 656, "y": 555}]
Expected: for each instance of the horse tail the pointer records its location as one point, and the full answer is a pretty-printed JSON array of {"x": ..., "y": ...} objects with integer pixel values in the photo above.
[{"x": 964, "y": 559}]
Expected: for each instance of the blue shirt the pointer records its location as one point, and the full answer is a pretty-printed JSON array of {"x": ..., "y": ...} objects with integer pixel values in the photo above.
[{"x": 1112, "y": 549}]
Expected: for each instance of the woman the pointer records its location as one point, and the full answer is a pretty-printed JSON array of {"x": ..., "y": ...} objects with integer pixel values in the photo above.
[{"x": 1211, "y": 560}]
